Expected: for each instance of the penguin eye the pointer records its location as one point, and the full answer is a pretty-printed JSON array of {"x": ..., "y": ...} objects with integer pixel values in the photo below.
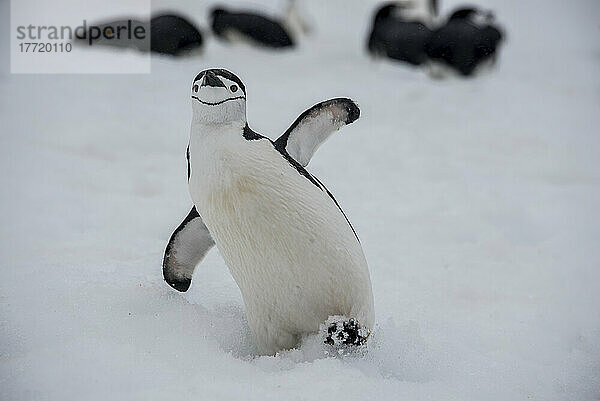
[
  {"x": 233, "y": 88},
  {"x": 195, "y": 88}
]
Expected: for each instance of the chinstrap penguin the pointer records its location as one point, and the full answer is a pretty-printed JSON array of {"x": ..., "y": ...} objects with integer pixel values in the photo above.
[
  {"x": 286, "y": 241},
  {"x": 169, "y": 34},
  {"x": 173, "y": 35},
  {"x": 469, "y": 39},
  {"x": 251, "y": 27},
  {"x": 400, "y": 31}
]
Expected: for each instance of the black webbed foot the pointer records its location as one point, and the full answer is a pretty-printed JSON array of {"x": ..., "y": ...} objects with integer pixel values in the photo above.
[{"x": 345, "y": 332}]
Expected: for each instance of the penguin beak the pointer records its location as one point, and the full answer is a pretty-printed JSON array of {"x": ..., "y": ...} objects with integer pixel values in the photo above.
[{"x": 210, "y": 79}]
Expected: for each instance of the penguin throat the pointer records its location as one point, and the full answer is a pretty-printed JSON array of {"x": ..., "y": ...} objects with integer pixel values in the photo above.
[
  {"x": 231, "y": 112},
  {"x": 209, "y": 128}
]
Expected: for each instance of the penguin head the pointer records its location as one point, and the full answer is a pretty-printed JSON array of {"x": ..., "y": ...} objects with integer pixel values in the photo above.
[
  {"x": 386, "y": 11},
  {"x": 217, "y": 12},
  {"x": 216, "y": 17},
  {"x": 218, "y": 96},
  {"x": 407, "y": 10},
  {"x": 477, "y": 17}
]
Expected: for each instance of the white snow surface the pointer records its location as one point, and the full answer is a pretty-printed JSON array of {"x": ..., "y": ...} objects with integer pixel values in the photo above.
[{"x": 476, "y": 202}]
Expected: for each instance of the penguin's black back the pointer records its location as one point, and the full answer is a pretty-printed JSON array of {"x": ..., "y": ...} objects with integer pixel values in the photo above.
[
  {"x": 171, "y": 34},
  {"x": 257, "y": 28},
  {"x": 404, "y": 41},
  {"x": 398, "y": 39},
  {"x": 463, "y": 45}
]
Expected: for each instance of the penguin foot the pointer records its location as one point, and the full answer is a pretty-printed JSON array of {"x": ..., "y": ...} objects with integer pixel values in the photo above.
[
  {"x": 344, "y": 331},
  {"x": 181, "y": 284}
]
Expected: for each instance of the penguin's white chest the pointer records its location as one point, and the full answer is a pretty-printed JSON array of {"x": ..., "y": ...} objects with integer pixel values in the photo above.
[{"x": 288, "y": 246}]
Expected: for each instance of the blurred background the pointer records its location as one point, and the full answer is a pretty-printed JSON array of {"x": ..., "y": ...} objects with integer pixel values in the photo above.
[{"x": 472, "y": 179}]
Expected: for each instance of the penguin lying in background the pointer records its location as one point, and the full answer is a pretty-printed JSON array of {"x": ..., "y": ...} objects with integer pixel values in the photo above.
[
  {"x": 173, "y": 35},
  {"x": 252, "y": 27},
  {"x": 287, "y": 243},
  {"x": 469, "y": 38},
  {"x": 401, "y": 29},
  {"x": 170, "y": 34}
]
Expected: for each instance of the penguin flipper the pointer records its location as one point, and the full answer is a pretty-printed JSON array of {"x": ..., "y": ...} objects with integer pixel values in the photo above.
[
  {"x": 187, "y": 246},
  {"x": 314, "y": 126}
]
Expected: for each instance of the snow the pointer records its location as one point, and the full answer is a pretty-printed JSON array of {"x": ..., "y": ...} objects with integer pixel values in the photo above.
[{"x": 476, "y": 202}]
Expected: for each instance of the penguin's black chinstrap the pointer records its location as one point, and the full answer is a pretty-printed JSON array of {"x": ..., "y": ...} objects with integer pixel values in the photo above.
[{"x": 217, "y": 103}]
